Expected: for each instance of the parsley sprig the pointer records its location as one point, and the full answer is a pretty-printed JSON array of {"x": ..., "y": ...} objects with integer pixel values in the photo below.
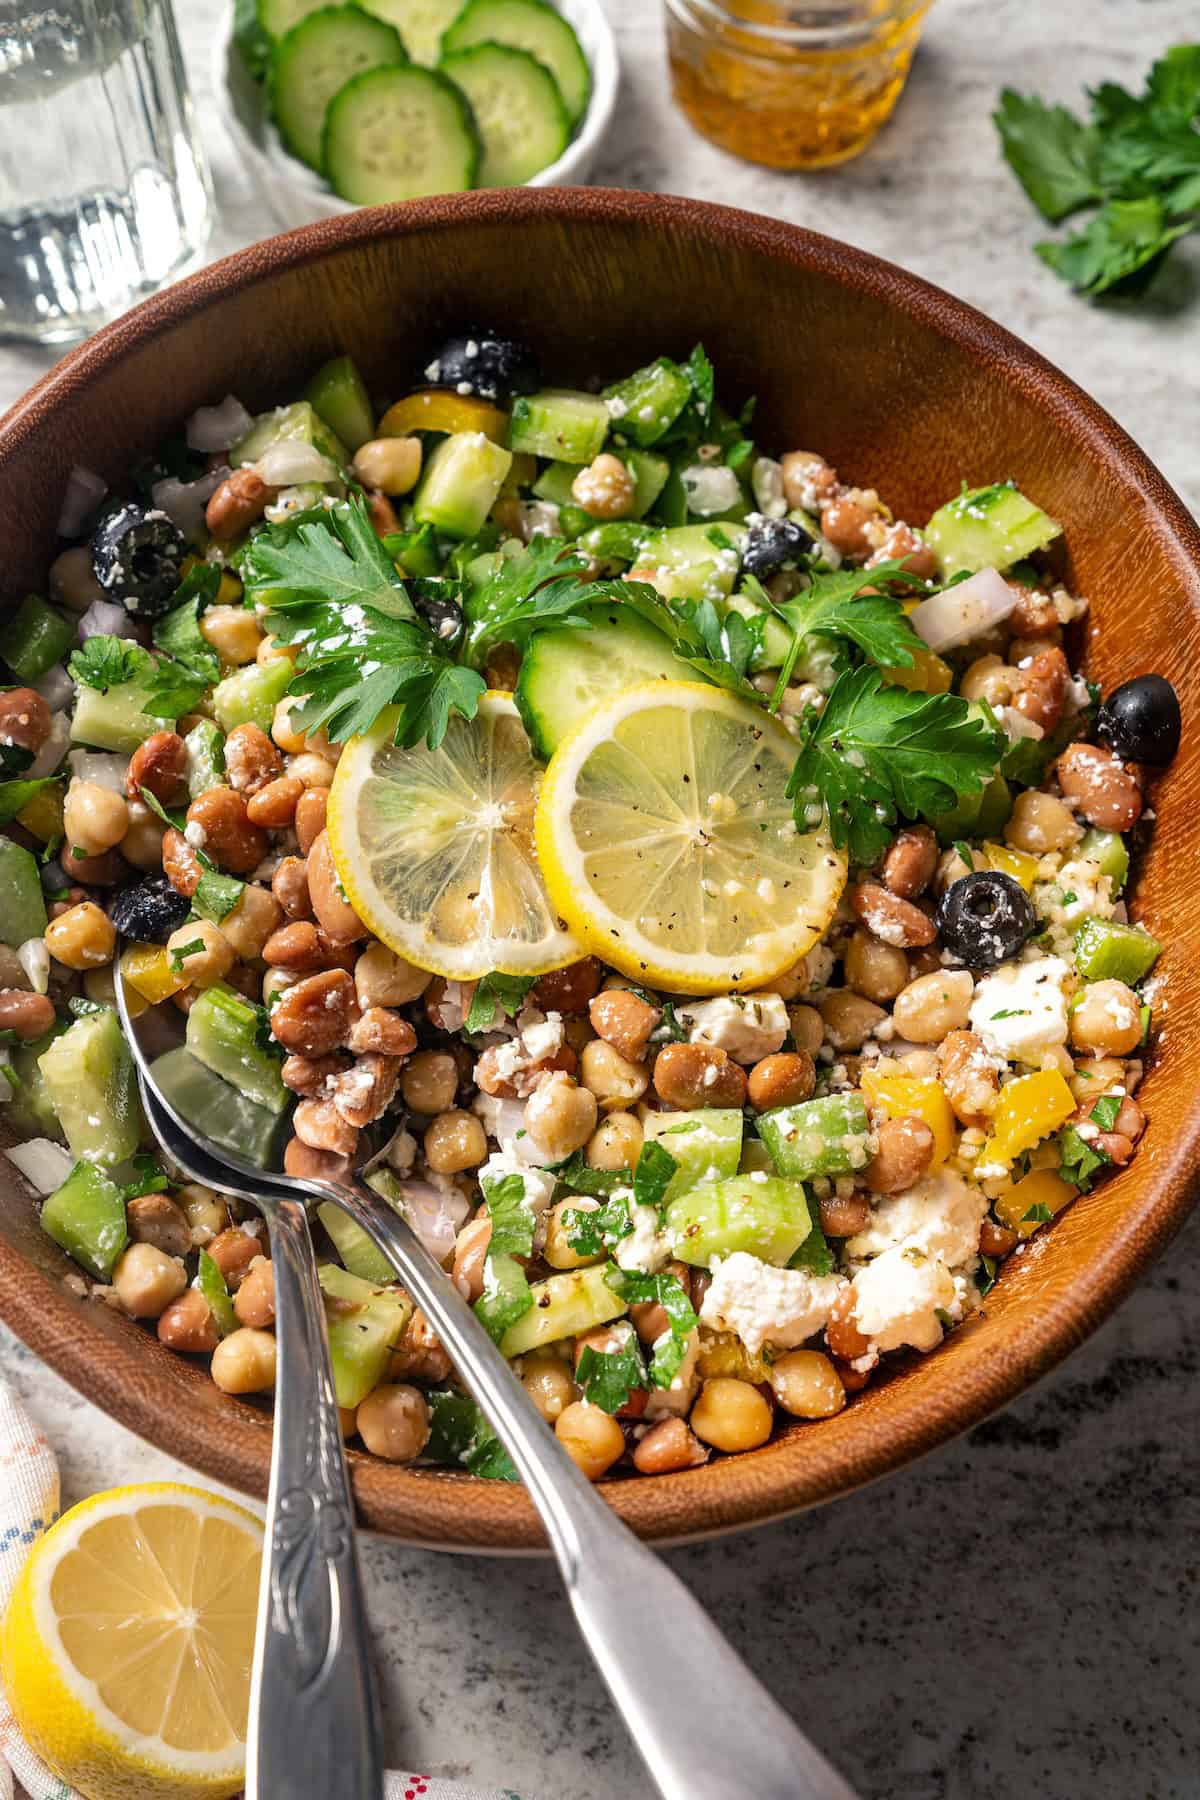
[{"x": 836, "y": 605}]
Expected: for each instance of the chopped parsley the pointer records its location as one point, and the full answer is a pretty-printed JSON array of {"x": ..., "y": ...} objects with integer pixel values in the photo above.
[
  {"x": 504, "y": 991},
  {"x": 578, "y": 1177},
  {"x": 593, "y": 1230},
  {"x": 836, "y": 606},
  {"x": 460, "y": 1434},
  {"x": 104, "y": 662},
  {"x": 667, "y": 1290},
  {"x": 652, "y": 1176},
  {"x": 608, "y": 1377},
  {"x": 178, "y": 957},
  {"x": 1082, "y": 1159},
  {"x": 506, "y": 1295},
  {"x": 1038, "y": 1214},
  {"x": 1012, "y": 1012},
  {"x": 814, "y": 1253}
]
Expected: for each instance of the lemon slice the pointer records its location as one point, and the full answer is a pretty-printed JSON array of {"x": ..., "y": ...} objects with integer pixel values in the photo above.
[
  {"x": 126, "y": 1648},
  {"x": 435, "y": 847},
  {"x": 667, "y": 841}
]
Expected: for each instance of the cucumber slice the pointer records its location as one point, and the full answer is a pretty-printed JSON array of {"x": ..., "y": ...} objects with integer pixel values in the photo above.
[
  {"x": 534, "y": 26},
  {"x": 559, "y": 423},
  {"x": 518, "y": 109},
  {"x": 222, "y": 1033},
  {"x": 460, "y": 484},
  {"x": 650, "y": 400},
  {"x": 707, "y": 1145},
  {"x": 89, "y": 1079},
  {"x": 35, "y": 638},
  {"x": 249, "y": 696},
  {"x": 776, "y": 636},
  {"x": 316, "y": 58},
  {"x": 22, "y": 904},
  {"x": 86, "y": 1216},
  {"x": 363, "y": 1332},
  {"x": 1109, "y": 851},
  {"x": 566, "y": 673},
  {"x": 766, "y": 1218},
  {"x": 338, "y": 395},
  {"x": 219, "y": 1111},
  {"x": 554, "y": 483},
  {"x": 277, "y": 17},
  {"x": 395, "y": 134},
  {"x": 981, "y": 815},
  {"x": 989, "y": 528},
  {"x": 420, "y": 23},
  {"x": 30, "y": 1112},
  {"x": 817, "y": 1137},
  {"x": 563, "y": 1306}
]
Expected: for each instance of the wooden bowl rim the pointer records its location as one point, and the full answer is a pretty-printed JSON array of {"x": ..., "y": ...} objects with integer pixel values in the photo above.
[{"x": 450, "y": 1510}]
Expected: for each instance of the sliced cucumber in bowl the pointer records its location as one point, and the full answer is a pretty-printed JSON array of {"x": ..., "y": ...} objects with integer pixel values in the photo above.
[
  {"x": 317, "y": 58},
  {"x": 397, "y": 133},
  {"x": 534, "y": 26},
  {"x": 421, "y": 23},
  {"x": 518, "y": 110}
]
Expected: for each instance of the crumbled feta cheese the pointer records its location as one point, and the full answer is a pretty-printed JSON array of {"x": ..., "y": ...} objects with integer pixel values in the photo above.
[
  {"x": 539, "y": 1185},
  {"x": 195, "y": 834},
  {"x": 646, "y": 1248},
  {"x": 401, "y": 1152},
  {"x": 710, "y": 490},
  {"x": 1020, "y": 1010},
  {"x": 763, "y": 1304},
  {"x": 897, "y": 1298},
  {"x": 941, "y": 1216},
  {"x": 747, "y": 1026},
  {"x": 677, "y": 1399},
  {"x": 541, "y": 1034},
  {"x": 504, "y": 1120}
]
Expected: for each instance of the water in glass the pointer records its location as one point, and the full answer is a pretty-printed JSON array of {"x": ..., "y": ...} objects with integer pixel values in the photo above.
[{"x": 104, "y": 194}]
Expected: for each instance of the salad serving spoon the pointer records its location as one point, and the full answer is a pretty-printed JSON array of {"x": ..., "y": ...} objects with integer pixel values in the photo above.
[{"x": 704, "y": 1725}]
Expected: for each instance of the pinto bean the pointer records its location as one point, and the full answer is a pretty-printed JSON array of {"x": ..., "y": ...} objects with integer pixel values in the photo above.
[
  {"x": 237, "y": 504},
  {"x": 315, "y": 1015},
  {"x": 844, "y": 523},
  {"x": 667, "y": 1446},
  {"x": 187, "y": 1325},
  {"x": 27, "y": 1016},
  {"x": 364, "y": 1093},
  {"x": 295, "y": 946},
  {"x": 996, "y": 1240},
  {"x": 909, "y": 864},
  {"x": 310, "y": 816},
  {"x": 890, "y": 918},
  {"x": 25, "y": 719},
  {"x": 1101, "y": 788},
  {"x": 1042, "y": 694},
  {"x": 844, "y": 1215},
  {"x": 905, "y": 1151},
  {"x": 335, "y": 915},
  {"x": 568, "y": 990},
  {"x": 309, "y": 1164},
  {"x": 781, "y": 1080},
  {"x": 383, "y": 1032},
  {"x": 289, "y": 884},
  {"x": 254, "y": 1302},
  {"x": 180, "y": 864},
  {"x": 251, "y": 760},
  {"x": 320, "y": 1125},
  {"x": 273, "y": 807},
  {"x": 233, "y": 1251},
  {"x": 842, "y": 1334},
  {"x": 969, "y": 1077},
  {"x": 159, "y": 765},
  {"x": 687, "y": 1076},
  {"x": 624, "y": 1021},
  {"x": 230, "y": 839},
  {"x": 156, "y": 1219}
]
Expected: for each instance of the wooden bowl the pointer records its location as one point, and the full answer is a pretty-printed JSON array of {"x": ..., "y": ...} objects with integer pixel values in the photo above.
[{"x": 903, "y": 389}]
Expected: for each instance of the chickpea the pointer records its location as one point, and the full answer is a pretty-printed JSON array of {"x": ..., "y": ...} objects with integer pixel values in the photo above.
[
  {"x": 1098, "y": 1075},
  {"x": 381, "y": 978},
  {"x": 244, "y": 1362},
  {"x": 201, "y": 952},
  {"x": 95, "y": 819},
  {"x": 558, "y": 1250},
  {"x": 612, "y": 1078},
  {"x": 932, "y": 1006},
  {"x": 874, "y": 969},
  {"x": 73, "y": 580},
  {"x": 990, "y": 678},
  {"x": 81, "y": 938},
  {"x": 616, "y": 1142},
  {"x": 1105, "y": 1019},
  {"x": 146, "y": 1280},
  {"x": 391, "y": 465},
  {"x": 470, "y": 1254},
  {"x": 969, "y": 1077},
  {"x": 233, "y": 632},
  {"x": 252, "y": 922},
  {"x": 455, "y": 1141},
  {"x": 207, "y": 1215},
  {"x": 429, "y": 1082},
  {"x": 560, "y": 1116},
  {"x": 547, "y": 1381},
  {"x": 274, "y": 983},
  {"x": 229, "y": 838},
  {"x": 605, "y": 489},
  {"x": 290, "y": 740},
  {"x": 1041, "y": 822},
  {"x": 334, "y": 913},
  {"x": 905, "y": 1151},
  {"x": 805, "y": 474},
  {"x": 849, "y": 1019},
  {"x": 311, "y": 770},
  {"x": 311, "y": 810},
  {"x": 393, "y": 1422},
  {"x": 142, "y": 845},
  {"x": 731, "y": 1415},
  {"x": 254, "y": 1302},
  {"x": 807, "y": 1028},
  {"x": 271, "y": 650},
  {"x": 687, "y": 1076},
  {"x": 591, "y": 1438},
  {"x": 806, "y": 1384},
  {"x": 187, "y": 1324}
]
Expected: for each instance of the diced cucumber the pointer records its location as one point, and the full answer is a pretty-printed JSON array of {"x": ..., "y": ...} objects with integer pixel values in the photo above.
[
  {"x": 220, "y": 1112},
  {"x": 554, "y": 483},
  {"x": 338, "y": 395},
  {"x": 649, "y": 478},
  {"x": 518, "y": 110},
  {"x": 982, "y": 815},
  {"x": 649, "y": 401},
  {"x": 213, "y": 1286},
  {"x": 362, "y": 1332},
  {"x": 30, "y": 1112},
  {"x": 317, "y": 58},
  {"x": 685, "y": 564},
  {"x": 22, "y": 904},
  {"x": 460, "y": 483},
  {"x": 298, "y": 423},
  {"x": 776, "y": 636},
  {"x": 398, "y": 133},
  {"x": 563, "y": 1306},
  {"x": 1106, "y": 950},
  {"x": 560, "y": 423},
  {"x": 222, "y": 1033},
  {"x": 416, "y": 551},
  {"x": 89, "y": 1079},
  {"x": 352, "y": 1244},
  {"x": 534, "y": 26},
  {"x": 113, "y": 720},
  {"x": 1109, "y": 851},
  {"x": 767, "y": 1217},
  {"x": 86, "y": 1216},
  {"x": 621, "y": 541},
  {"x": 707, "y": 1145},
  {"x": 818, "y": 1137},
  {"x": 988, "y": 528},
  {"x": 420, "y": 23},
  {"x": 566, "y": 672},
  {"x": 249, "y": 696},
  {"x": 205, "y": 746},
  {"x": 35, "y": 638}
]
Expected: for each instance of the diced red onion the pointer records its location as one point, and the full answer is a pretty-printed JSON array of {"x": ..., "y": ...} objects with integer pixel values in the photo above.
[
  {"x": 106, "y": 770},
  {"x": 55, "y": 687},
  {"x": 103, "y": 618},
  {"x": 44, "y": 1165},
  {"x": 81, "y": 496},
  {"x": 436, "y": 1217},
  {"x": 289, "y": 462},
  {"x": 53, "y": 750},
  {"x": 184, "y": 501},
  {"x": 965, "y": 611},
  {"x": 218, "y": 427}
]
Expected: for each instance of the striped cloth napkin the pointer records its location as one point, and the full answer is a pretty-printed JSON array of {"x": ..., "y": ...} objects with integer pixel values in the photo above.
[{"x": 29, "y": 1503}]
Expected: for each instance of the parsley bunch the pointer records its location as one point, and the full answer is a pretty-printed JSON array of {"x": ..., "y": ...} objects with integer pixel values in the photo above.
[{"x": 1138, "y": 161}]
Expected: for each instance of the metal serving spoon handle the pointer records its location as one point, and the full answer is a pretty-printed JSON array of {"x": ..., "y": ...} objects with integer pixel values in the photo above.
[{"x": 314, "y": 1726}]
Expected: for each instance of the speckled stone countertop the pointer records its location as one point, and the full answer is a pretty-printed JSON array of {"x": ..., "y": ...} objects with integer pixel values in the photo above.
[{"x": 1016, "y": 1616}]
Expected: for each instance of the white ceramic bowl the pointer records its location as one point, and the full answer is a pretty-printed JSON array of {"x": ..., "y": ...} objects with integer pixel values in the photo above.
[{"x": 297, "y": 195}]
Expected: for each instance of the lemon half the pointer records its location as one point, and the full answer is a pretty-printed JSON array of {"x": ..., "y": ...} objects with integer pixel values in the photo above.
[
  {"x": 127, "y": 1645},
  {"x": 667, "y": 841},
  {"x": 435, "y": 847}
]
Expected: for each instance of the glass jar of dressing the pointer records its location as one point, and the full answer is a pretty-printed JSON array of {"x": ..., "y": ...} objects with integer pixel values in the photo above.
[{"x": 794, "y": 86}]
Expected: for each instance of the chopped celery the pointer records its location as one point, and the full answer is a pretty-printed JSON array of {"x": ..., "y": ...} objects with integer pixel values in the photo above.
[
  {"x": 298, "y": 423},
  {"x": 358, "y": 1253},
  {"x": 648, "y": 402},
  {"x": 1108, "y": 951},
  {"x": 460, "y": 483},
  {"x": 219, "y": 1111},
  {"x": 86, "y": 1216},
  {"x": 362, "y": 1332},
  {"x": 35, "y": 638},
  {"x": 22, "y": 906},
  {"x": 249, "y": 696},
  {"x": 114, "y": 720},
  {"x": 223, "y": 1033},
  {"x": 338, "y": 395},
  {"x": 988, "y": 528},
  {"x": 818, "y": 1137},
  {"x": 205, "y": 748},
  {"x": 559, "y": 423},
  {"x": 765, "y": 1215},
  {"x": 1110, "y": 852}
]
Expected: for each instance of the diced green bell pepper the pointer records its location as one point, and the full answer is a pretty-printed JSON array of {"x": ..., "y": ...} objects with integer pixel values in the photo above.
[{"x": 1106, "y": 950}]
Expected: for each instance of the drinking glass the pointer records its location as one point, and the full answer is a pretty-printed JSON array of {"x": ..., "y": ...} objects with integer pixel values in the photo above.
[{"x": 104, "y": 193}]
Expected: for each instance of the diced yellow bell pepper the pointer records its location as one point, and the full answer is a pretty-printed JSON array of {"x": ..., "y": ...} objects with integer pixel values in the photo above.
[
  {"x": 1029, "y": 1109},
  {"x": 1017, "y": 863},
  {"x": 928, "y": 674},
  {"x": 1044, "y": 1187},
  {"x": 721, "y": 1353},
  {"x": 437, "y": 409},
  {"x": 147, "y": 969},
  {"x": 902, "y": 1096},
  {"x": 44, "y": 814},
  {"x": 230, "y": 589}
]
